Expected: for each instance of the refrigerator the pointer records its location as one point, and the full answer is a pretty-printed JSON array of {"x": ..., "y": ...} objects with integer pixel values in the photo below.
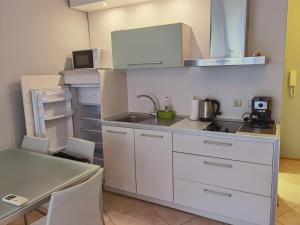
[{"x": 70, "y": 105}]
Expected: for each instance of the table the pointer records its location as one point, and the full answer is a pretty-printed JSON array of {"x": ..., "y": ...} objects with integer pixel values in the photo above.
[{"x": 36, "y": 177}]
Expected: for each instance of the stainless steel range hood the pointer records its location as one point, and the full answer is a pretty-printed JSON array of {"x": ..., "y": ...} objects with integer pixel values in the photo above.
[
  {"x": 258, "y": 60},
  {"x": 228, "y": 36}
]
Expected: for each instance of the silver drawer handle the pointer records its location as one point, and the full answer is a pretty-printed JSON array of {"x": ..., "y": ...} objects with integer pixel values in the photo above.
[
  {"x": 218, "y": 164},
  {"x": 222, "y": 60},
  {"x": 116, "y": 132},
  {"x": 217, "y": 193},
  {"x": 152, "y": 136},
  {"x": 218, "y": 143},
  {"x": 145, "y": 63}
]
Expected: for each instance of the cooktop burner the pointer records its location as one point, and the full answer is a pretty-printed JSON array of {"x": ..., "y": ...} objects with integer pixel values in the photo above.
[{"x": 224, "y": 126}]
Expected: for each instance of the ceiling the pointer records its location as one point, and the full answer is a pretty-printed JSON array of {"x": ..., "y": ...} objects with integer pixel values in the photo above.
[{"x": 95, "y": 5}]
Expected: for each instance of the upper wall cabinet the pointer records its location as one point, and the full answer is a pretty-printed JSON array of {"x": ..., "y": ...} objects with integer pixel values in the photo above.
[
  {"x": 95, "y": 5},
  {"x": 152, "y": 47}
]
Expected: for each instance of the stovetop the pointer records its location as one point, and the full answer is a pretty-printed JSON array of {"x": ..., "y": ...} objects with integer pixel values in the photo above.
[{"x": 225, "y": 126}]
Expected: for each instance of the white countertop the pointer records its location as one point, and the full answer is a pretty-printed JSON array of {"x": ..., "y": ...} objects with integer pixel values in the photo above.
[
  {"x": 198, "y": 126},
  {"x": 187, "y": 126}
]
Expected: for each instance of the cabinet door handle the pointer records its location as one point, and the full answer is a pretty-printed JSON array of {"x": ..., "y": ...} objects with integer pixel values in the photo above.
[
  {"x": 217, "y": 193},
  {"x": 116, "y": 132},
  {"x": 145, "y": 63},
  {"x": 218, "y": 164},
  {"x": 217, "y": 143},
  {"x": 152, "y": 136},
  {"x": 222, "y": 61}
]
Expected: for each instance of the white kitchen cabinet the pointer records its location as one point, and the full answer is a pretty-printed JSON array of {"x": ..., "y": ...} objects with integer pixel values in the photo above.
[
  {"x": 151, "y": 47},
  {"x": 118, "y": 147},
  {"x": 153, "y": 151}
]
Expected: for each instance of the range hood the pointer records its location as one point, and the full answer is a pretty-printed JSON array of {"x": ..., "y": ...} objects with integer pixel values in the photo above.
[
  {"x": 228, "y": 36},
  {"x": 257, "y": 60}
]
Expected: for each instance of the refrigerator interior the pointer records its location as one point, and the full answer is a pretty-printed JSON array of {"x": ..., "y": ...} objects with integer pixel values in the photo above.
[{"x": 87, "y": 117}]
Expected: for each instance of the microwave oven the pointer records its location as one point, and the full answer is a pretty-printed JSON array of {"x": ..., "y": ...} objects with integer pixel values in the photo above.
[{"x": 92, "y": 59}]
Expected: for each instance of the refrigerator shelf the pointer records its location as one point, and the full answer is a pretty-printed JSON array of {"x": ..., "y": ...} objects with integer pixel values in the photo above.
[
  {"x": 90, "y": 130},
  {"x": 90, "y": 118},
  {"x": 62, "y": 99},
  {"x": 47, "y": 118},
  {"x": 89, "y": 104}
]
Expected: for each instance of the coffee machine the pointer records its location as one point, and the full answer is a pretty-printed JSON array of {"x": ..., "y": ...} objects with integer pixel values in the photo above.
[{"x": 260, "y": 116}]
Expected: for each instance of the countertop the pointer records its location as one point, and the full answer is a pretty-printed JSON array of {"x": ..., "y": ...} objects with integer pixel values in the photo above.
[{"x": 186, "y": 126}]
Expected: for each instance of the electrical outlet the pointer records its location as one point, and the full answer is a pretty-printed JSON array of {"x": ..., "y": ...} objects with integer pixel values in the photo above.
[
  {"x": 237, "y": 103},
  {"x": 250, "y": 103}
]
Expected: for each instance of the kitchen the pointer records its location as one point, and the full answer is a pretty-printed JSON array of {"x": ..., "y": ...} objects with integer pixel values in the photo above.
[{"x": 227, "y": 84}]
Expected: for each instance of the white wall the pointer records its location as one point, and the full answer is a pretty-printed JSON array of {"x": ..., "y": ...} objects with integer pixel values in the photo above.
[
  {"x": 266, "y": 34},
  {"x": 37, "y": 36}
]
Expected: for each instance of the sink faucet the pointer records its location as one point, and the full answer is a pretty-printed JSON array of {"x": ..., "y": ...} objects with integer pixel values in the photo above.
[{"x": 155, "y": 106}]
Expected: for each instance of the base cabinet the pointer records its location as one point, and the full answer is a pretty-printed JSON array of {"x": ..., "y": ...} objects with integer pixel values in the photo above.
[
  {"x": 153, "y": 152},
  {"x": 209, "y": 176},
  {"x": 119, "y": 159}
]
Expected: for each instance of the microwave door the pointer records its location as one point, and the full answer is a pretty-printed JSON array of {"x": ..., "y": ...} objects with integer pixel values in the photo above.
[{"x": 83, "y": 59}]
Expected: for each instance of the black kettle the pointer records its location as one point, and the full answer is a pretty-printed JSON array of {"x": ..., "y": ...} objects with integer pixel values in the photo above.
[{"x": 209, "y": 109}]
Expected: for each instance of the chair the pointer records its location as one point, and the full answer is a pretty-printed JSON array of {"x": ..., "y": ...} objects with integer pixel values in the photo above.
[
  {"x": 80, "y": 148},
  {"x": 36, "y": 144},
  {"x": 78, "y": 205}
]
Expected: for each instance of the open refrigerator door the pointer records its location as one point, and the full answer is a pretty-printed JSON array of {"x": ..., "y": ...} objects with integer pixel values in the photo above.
[{"x": 52, "y": 112}]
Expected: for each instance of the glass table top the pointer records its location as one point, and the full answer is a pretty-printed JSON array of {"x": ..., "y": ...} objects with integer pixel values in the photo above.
[{"x": 36, "y": 176}]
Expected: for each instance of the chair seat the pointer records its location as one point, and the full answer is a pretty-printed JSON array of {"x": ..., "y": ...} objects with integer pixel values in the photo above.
[{"x": 41, "y": 221}]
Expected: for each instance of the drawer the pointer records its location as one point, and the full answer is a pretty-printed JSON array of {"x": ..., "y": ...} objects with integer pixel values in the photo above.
[
  {"x": 227, "y": 148},
  {"x": 238, "y": 205},
  {"x": 247, "y": 177}
]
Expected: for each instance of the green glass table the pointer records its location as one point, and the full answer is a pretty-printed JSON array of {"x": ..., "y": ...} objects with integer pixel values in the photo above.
[{"x": 36, "y": 177}]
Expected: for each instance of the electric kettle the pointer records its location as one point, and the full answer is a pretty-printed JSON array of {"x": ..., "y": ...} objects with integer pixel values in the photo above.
[{"x": 209, "y": 109}]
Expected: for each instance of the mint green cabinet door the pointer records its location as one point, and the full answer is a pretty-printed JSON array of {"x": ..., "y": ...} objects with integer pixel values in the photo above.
[{"x": 151, "y": 47}]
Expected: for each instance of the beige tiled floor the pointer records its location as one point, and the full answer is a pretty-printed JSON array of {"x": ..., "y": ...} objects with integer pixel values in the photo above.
[{"x": 121, "y": 210}]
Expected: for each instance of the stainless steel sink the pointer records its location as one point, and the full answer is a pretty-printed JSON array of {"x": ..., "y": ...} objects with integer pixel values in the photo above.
[
  {"x": 146, "y": 119},
  {"x": 133, "y": 118}
]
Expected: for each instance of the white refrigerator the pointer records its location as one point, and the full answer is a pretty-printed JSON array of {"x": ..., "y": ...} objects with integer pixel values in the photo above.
[{"x": 70, "y": 105}]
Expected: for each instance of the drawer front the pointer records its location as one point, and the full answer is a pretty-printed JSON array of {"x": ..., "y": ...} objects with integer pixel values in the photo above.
[
  {"x": 248, "y": 151},
  {"x": 248, "y": 177},
  {"x": 238, "y": 205}
]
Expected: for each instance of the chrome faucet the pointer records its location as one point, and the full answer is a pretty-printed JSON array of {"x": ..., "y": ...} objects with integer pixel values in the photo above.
[{"x": 155, "y": 105}]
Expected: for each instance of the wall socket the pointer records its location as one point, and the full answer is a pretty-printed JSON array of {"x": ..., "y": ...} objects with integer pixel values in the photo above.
[{"x": 237, "y": 103}]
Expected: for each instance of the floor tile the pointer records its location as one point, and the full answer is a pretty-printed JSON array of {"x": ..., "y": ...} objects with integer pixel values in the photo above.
[
  {"x": 291, "y": 218},
  {"x": 128, "y": 211},
  {"x": 284, "y": 206},
  {"x": 31, "y": 217},
  {"x": 289, "y": 182},
  {"x": 203, "y": 221},
  {"x": 172, "y": 216},
  {"x": 107, "y": 220}
]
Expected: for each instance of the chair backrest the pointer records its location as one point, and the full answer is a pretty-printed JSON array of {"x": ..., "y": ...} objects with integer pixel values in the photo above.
[
  {"x": 35, "y": 144},
  {"x": 78, "y": 205},
  {"x": 81, "y": 148}
]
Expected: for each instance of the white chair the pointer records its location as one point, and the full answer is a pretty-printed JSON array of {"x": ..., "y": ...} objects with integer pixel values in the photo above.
[
  {"x": 36, "y": 144},
  {"x": 78, "y": 205},
  {"x": 80, "y": 148}
]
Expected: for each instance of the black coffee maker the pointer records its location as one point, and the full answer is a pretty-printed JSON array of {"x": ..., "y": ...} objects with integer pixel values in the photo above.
[{"x": 260, "y": 116}]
